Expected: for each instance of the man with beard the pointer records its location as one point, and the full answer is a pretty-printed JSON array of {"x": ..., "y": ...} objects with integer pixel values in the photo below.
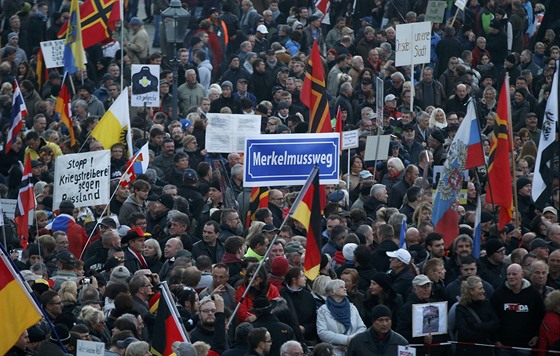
[
  {"x": 230, "y": 224},
  {"x": 259, "y": 340},
  {"x": 212, "y": 325}
]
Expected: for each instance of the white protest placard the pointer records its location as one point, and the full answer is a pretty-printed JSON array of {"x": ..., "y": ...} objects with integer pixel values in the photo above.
[
  {"x": 53, "y": 53},
  {"x": 377, "y": 148},
  {"x": 406, "y": 351},
  {"x": 9, "y": 207},
  {"x": 145, "y": 85},
  {"x": 226, "y": 133},
  {"x": 413, "y": 43},
  {"x": 461, "y": 4},
  {"x": 82, "y": 178},
  {"x": 429, "y": 319},
  {"x": 435, "y": 11},
  {"x": 88, "y": 348},
  {"x": 350, "y": 139}
]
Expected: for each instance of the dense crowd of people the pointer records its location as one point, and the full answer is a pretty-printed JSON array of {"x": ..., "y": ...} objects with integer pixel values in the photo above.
[{"x": 236, "y": 273}]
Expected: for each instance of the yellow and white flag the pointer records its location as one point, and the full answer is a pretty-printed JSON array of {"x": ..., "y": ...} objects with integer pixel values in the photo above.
[{"x": 114, "y": 126}]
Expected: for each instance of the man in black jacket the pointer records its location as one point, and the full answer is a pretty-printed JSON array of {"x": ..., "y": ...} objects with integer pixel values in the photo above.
[{"x": 212, "y": 325}]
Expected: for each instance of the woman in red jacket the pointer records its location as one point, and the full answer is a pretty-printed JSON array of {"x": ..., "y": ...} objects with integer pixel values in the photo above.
[
  {"x": 549, "y": 337},
  {"x": 259, "y": 288}
]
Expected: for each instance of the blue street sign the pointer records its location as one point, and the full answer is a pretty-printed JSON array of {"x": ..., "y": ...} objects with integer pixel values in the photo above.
[{"x": 289, "y": 159}]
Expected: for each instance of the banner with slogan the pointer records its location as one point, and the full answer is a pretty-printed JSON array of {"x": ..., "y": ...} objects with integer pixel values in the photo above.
[{"x": 82, "y": 178}]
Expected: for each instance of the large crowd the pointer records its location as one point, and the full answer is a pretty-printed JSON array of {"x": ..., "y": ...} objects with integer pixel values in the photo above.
[{"x": 236, "y": 272}]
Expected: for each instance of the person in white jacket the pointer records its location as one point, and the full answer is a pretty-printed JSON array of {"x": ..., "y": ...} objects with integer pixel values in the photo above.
[{"x": 338, "y": 320}]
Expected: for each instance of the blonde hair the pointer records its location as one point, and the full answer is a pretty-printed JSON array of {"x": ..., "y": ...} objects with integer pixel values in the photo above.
[
  {"x": 68, "y": 292},
  {"x": 466, "y": 287},
  {"x": 201, "y": 348},
  {"x": 89, "y": 315},
  {"x": 320, "y": 285}
]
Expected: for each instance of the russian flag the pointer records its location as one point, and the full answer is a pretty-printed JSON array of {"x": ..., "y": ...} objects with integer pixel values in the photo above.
[
  {"x": 465, "y": 152},
  {"x": 477, "y": 232},
  {"x": 138, "y": 164},
  {"x": 19, "y": 111}
]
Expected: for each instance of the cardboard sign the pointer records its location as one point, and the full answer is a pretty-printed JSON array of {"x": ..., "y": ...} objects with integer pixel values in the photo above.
[
  {"x": 53, "y": 53},
  {"x": 413, "y": 43},
  {"x": 88, "y": 348},
  {"x": 377, "y": 148},
  {"x": 350, "y": 139},
  {"x": 226, "y": 133}
]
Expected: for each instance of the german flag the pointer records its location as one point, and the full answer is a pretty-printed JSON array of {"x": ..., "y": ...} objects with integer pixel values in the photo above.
[
  {"x": 167, "y": 328},
  {"x": 307, "y": 210},
  {"x": 41, "y": 70},
  {"x": 499, "y": 171},
  {"x": 19, "y": 311},
  {"x": 313, "y": 94},
  {"x": 259, "y": 199},
  {"x": 64, "y": 105},
  {"x": 97, "y": 21}
]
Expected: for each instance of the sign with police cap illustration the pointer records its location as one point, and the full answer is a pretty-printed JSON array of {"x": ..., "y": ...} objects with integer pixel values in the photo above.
[{"x": 145, "y": 85}]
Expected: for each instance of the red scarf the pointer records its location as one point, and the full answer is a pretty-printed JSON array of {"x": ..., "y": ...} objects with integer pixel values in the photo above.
[{"x": 140, "y": 258}]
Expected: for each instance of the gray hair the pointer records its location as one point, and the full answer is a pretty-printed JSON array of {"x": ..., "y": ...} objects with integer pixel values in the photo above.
[
  {"x": 332, "y": 285},
  {"x": 376, "y": 189},
  {"x": 285, "y": 346}
]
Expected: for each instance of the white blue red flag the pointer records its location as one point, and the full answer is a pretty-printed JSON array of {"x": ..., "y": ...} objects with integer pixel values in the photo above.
[
  {"x": 138, "y": 164},
  {"x": 19, "y": 111},
  {"x": 464, "y": 153}
]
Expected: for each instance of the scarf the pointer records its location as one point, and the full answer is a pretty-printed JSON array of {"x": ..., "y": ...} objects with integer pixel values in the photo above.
[
  {"x": 340, "y": 312},
  {"x": 140, "y": 258}
]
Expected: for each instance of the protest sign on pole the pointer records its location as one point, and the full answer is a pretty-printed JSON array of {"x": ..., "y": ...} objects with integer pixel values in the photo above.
[
  {"x": 226, "y": 133},
  {"x": 413, "y": 43},
  {"x": 53, "y": 52},
  {"x": 435, "y": 11},
  {"x": 82, "y": 178},
  {"x": 145, "y": 85}
]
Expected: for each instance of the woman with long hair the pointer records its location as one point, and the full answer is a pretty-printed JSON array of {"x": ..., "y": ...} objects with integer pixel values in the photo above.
[
  {"x": 152, "y": 255},
  {"x": 475, "y": 319},
  {"x": 438, "y": 119},
  {"x": 260, "y": 287},
  {"x": 356, "y": 166},
  {"x": 549, "y": 337},
  {"x": 338, "y": 320}
]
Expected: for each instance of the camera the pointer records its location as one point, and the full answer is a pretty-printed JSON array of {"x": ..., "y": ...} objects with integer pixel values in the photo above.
[{"x": 86, "y": 281}]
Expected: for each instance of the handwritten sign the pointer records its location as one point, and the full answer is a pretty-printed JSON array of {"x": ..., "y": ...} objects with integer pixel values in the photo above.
[
  {"x": 87, "y": 348},
  {"x": 227, "y": 132},
  {"x": 82, "y": 178},
  {"x": 413, "y": 43},
  {"x": 53, "y": 53},
  {"x": 350, "y": 139},
  {"x": 145, "y": 85}
]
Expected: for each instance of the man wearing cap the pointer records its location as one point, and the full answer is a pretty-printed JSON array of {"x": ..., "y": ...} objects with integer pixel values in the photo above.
[
  {"x": 526, "y": 206},
  {"x": 421, "y": 292},
  {"x": 261, "y": 44},
  {"x": 13, "y": 40},
  {"x": 242, "y": 93},
  {"x": 436, "y": 145},
  {"x": 133, "y": 258},
  {"x": 312, "y": 32},
  {"x": 293, "y": 251},
  {"x": 66, "y": 265},
  {"x": 138, "y": 45},
  {"x": 390, "y": 107},
  {"x": 188, "y": 189},
  {"x": 335, "y": 34},
  {"x": 539, "y": 248},
  {"x": 280, "y": 332},
  {"x": 226, "y": 99},
  {"x": 400, "y": 272},
  {"x": 379, "y": 339},
  {"x": 492, "y": 265}
]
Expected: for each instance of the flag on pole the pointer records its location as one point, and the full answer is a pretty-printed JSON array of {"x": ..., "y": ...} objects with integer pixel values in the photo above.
[
  {"x": 167, "y": 328},
  {"x": 136, "y": 165},
  {"x": 24, "y": 204},
  {"x": 313, "y": 94},
  {"x": 338, "y": 125},
  {"x": 307, "y": 210},
  {"x": 19, "y": 311},
  {"x": 500, "y": 191},
  {"x": 73, "y": 49},
  {"x": 477, "y": 236},
  {"x": 464, "y": 153},
  {"x": 548, "y": 146},
  {"x": 258, "y": 199},
  {"x": 41, "y": 70},
  {"x": 403, "y": 232},
  {"x": 97, "y": 21},
  {"x": 64, "y": 106},
  {"x": 114, "y": 126},
  {"x": 19, "y": 111}
]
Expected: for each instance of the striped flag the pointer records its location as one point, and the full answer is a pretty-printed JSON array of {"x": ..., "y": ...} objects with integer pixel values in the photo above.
[
  {"x": 544, "y": 165},
  {"x": 500, "y": 191},
  {"x": 114, "y": 126},
  {"x": 477, "y": 232},
  {"x": 258, "y": 199},
  {"x": 19, "y": 311},
  {"x": 41, "y": 70},
  {"x": 313, "y": 94},
  {"x": 307, "y": 210},
  {"x": 138, "y": 164},
  {"x": 24, "y": 204},
  {"x": 64, "y": 106},
  {"x": 168, "y": 327},
  {"x": 19, "y": 111}
]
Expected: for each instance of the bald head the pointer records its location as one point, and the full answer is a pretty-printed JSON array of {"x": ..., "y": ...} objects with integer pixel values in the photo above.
[{"x": 412, "y": 236}]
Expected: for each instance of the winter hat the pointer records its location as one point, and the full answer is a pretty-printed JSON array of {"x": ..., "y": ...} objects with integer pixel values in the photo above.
[
  {"x": 438, "y": 136},
  {"x": 228, "y": 84},
  {"x": 279, "y": 266},
  {"x": 493, "y": 246},
  {"x": 380, "y": 311},
  {"x": 62, "y": 332},
  {"x": 167, "y": 201},
  {"x": 382, "y": 279},
  {"x": 348, "y": 251},
  {"x": 119, "y": 274},
  {"x": 523, "y": 181}
]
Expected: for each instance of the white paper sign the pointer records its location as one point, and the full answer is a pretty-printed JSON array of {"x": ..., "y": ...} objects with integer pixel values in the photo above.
[
  {"x": 413, "y": 43},
  {"x": 145, "y": 85},
  {"x": 377, "y": 148},
  {"x": 9, "y": 207},
  {"x": 435, "y": 11},
  {"x": 87, "y": 348},
  {"x": 82, "y": 178},
  {"x": 350, "y": 139},
  {"x": 226, "y": 133},
  {"x": 429, "y": 319},
  {"x": 461, "y": 4},
  {"x": 53, "y": 53},
  {"x": 406, "y": 351}
]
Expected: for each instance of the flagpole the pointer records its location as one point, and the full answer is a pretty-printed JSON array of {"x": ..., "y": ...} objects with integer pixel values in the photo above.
[
  {"x": 271, "y": 244},
  {"x": 3, "y": 224},
  {"x": 121, "y": 9},
  {"x": 348, "y": 175},
  {"x": 166, "y": 293},
  {"x": 511, "y": 155}
]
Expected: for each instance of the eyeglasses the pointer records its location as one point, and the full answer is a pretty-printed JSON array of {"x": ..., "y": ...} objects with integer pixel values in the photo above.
[
  {"x": 268, "y": 341},
  {"x": 208, "y": 311},
  {"x": 272, "y": 123}
]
